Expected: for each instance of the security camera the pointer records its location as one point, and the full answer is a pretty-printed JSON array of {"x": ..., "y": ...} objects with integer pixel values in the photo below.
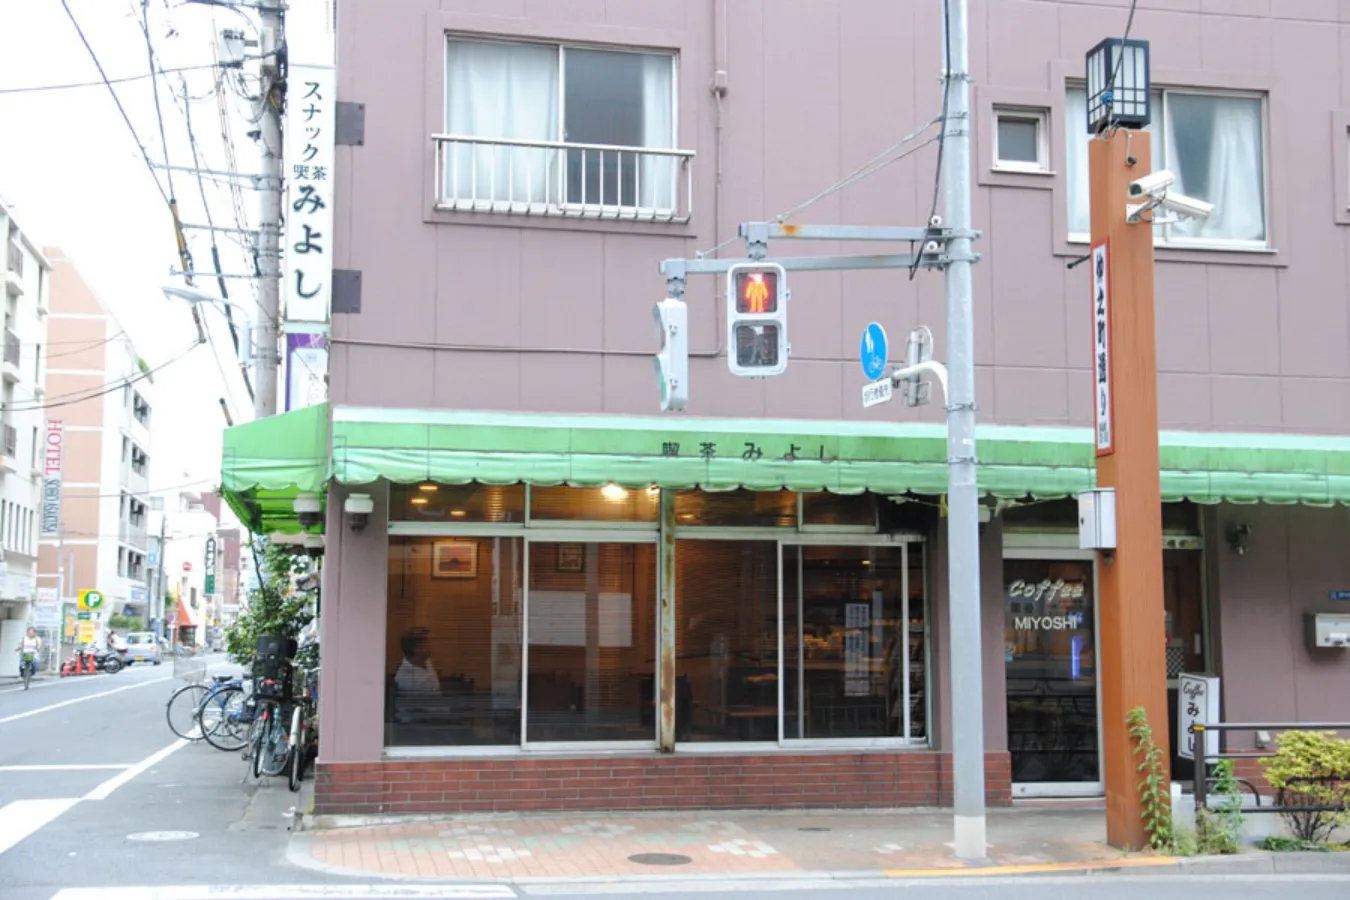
[
  {"x": 1153, "y": 183},
  {"x": 309, "y": 508},
  {"x": 1186, "y": 207},
  {"x": 358, "y": 508}
]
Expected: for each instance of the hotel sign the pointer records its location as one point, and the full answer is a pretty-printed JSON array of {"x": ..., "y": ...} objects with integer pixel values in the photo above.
[{"x": 51, "y": 483}]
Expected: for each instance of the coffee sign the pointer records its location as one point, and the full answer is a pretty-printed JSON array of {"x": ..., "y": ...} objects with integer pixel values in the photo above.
[{"x": 1047, "y": 590}]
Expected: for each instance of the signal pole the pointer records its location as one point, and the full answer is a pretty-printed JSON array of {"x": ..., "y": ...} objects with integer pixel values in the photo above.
[{"x": 267, "y": 110}]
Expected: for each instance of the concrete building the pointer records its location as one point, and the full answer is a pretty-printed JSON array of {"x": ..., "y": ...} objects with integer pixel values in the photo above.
[
  {"x": 26, "y": 275},
  {"x": 557, "y": 599},
  {"x": 95, "y": 372},
  {"x": 203, "y": 566}
]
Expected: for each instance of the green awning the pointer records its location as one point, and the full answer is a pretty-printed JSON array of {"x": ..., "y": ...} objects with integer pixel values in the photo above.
[
  {"x": 266, "y": 463},
  {"x": 406, "y": 446}
]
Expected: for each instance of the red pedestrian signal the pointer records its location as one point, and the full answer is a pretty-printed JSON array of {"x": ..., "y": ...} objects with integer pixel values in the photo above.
[
  {"x": 756, "y": 299},
  {"x": 757, "y": 292}
]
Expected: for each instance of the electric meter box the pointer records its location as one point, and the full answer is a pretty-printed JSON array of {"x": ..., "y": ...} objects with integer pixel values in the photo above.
[
  {"x": 1327, "y": 629},
  {"x": 1097, "y": 519}
]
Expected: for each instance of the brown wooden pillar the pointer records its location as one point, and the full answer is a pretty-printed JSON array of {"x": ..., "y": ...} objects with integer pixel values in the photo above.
[{"x": 1133, "y": 653}]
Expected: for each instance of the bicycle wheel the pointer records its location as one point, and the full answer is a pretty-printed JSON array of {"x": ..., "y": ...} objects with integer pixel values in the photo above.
[
  {"x": 295, "y": 769},
  {"x": 276, "y": 749},
  {"x": 183, "y": 711},
  {"x": 224, "y": 720}
]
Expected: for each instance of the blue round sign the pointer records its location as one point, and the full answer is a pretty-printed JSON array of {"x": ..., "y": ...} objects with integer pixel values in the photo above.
[{"x": 872, "y": 352}]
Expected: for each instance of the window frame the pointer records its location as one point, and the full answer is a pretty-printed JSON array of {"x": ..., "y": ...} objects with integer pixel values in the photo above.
[
  {"x": 1163, "y": 237},
  {"x": 1040, "y": 117}
]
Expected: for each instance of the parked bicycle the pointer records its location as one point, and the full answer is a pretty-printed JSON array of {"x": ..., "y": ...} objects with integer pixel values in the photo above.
[{"x": 219, "y": 713}]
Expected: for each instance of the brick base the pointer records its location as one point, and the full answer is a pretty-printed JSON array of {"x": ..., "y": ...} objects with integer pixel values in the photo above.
[{"x": 801, "y": 781}]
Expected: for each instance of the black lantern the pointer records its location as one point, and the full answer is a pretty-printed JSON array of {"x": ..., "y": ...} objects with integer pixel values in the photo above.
[{"x": 1118, "y": 88}]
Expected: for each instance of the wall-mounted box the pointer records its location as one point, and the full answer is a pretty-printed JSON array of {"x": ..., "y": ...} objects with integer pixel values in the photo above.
[
  {"x": 1322, "y": 630},
  {"x": 1097, "y": 519}
]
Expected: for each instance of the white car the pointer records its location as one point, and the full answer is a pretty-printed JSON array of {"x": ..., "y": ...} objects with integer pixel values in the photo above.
[{"x": 142, "y": 647}]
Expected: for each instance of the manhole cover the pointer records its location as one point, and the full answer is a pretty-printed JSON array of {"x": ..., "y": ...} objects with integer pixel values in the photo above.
[
  {"x": 163, "y": 836},
  {"x": 660, "y": 859},
  {"x": 813, "y": 828}
]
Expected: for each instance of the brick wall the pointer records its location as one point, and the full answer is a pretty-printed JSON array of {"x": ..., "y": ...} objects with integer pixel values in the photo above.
[{"x": 842, "y": 780}]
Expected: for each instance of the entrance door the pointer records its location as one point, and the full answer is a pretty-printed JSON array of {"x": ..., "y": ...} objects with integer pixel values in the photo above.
[{"x": 1050, "y": 651}]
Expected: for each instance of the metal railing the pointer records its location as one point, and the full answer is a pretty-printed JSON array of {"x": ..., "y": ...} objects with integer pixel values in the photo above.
[
  {"x": 11, "y": 440},
  {"x": 13, "y": 347},
  {"x": 1286, "y": 801},
  {"x": 557, "y": 178},
  {"x": 14, "y": 258}
]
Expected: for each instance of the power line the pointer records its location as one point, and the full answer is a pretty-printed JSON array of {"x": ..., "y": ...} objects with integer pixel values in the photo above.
[
  {"x": 942, "y": 135},
  {"x": 108, "y": 389},
  {"x": 1115, "y": 71},
  {"x": 37, "y": 88}
]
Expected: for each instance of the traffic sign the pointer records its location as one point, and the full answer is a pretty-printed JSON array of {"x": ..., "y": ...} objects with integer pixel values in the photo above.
[
  {"x": 91, "y": 599},
  {"x": 876, "y": 392},
  {"x": 872, "y": 351}
]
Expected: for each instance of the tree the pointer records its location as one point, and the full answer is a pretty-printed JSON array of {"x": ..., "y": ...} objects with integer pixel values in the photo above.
[{"x": 272, "y": 609}]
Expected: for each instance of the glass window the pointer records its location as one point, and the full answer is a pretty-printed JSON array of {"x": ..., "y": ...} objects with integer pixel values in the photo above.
[
  {"x": 452, "y": 661},
  {"x": 1019, "y": 140},
  {"x": 1214, "y": 144},
  {"x": 431, "y": 502},
  {"x": 859, "y": 511},
  {"x": 592, "y": 642},
  {"x": 726, "y": 641},
  {"x": 738, "y": 508},
  {"x": 604, "y": 504}
]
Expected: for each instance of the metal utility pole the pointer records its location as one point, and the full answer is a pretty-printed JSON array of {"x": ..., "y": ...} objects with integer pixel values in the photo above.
[
  {"x": 963, "y": 524},
  {"x": 267, "y": 110},
  {"x": 153, "y": 575}
]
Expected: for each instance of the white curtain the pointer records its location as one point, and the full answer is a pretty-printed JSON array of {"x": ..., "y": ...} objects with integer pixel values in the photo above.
[
  {"x": 497, "y": 90},
  {"x": 1224, "y": 163},
  {"x": 1076, "y": 157},
  {"x": 658, "y": 175}
]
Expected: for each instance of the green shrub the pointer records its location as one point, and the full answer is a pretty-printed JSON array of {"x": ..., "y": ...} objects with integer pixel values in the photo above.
[
  {"x": 1219, "y": 827},
  {"x": 1155, "y": 791},
  {"x": 272, "y": 610},
  {"x": 1311, "y": 768}
]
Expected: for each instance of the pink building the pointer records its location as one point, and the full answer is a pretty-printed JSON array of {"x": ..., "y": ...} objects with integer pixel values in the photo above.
[{"x": 561, "y": 600}]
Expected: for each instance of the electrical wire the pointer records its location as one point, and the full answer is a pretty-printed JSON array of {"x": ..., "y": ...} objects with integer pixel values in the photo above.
[
  {"x": 84, "y": 349},
  {"x": 942, "y": 135},
  {"x": 108, "y": 389},
  {"x": 1115, "y": 71},
  {"x": 108, "y": 81}
]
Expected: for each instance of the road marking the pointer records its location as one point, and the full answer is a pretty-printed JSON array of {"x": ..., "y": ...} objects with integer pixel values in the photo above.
[
  {"x": 46, "y": 684},
  {"x": 103, "y": 790},
  {"x": 1133, "y": 862},
  {"x": 23, "y": 817},
  {"x": 69, "y": 768},
  {"x": 74, "y": 700},
  {"x": 294, "y": 892}
]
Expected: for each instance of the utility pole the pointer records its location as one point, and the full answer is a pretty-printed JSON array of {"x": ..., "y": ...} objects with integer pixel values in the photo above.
[
  {"x": 267, "y": 110},
  {"x": 963, "y": 523},
  {"x": 157, "y": 603}
]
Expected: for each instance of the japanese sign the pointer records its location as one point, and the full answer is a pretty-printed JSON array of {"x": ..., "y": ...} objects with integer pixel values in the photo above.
[
  {"x": 1197, "y": 701},
  {"x": 209, "y": 568},
  {"x": 1102, "y": 402},
  {"x": 310, "y": 127},
  {"x": 306, "y": 368},
  {"x": 51, "y": 483}
]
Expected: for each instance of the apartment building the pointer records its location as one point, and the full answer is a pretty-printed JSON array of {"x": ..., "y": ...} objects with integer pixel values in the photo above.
[
  {"x": 95, "y": 372},
  {"x": 27, "y": 277},
  {"x": 746, "y": 605}
]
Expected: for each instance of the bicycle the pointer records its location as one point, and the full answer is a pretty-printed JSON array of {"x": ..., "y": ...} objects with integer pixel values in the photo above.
[
  {"x": 302, "y": 728},
  {"x": 191, "y": 702},
  {"x": 27, "y": 666}
]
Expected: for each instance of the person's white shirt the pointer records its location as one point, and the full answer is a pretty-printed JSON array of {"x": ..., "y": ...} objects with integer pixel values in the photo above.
[
  {"x": 117, "y": 642},
  {"x": 30, "y": 644},
  {"x": 417, "y": 689}
]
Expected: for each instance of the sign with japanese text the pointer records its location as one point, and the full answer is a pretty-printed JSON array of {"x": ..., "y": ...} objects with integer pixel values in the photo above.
[
  {"x": 209, "y": 568},
  {"x": 1102, "y": 401},
  {"x": 308, "y": 158},
  {"x": 1197, "y": 701},
  {"x": 51, "y": 481}
]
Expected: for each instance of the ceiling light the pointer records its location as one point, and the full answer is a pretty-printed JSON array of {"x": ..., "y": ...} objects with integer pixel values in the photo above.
[
  {"x": 458, "y": 513},
  {"x": 419, "y": 501},
  {"x": 612, "y": 491},
  {"x": 429, "y": 488}
]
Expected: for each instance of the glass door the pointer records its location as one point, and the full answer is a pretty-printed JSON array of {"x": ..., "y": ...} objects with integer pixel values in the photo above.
[{"x": 1050, "y": 653}]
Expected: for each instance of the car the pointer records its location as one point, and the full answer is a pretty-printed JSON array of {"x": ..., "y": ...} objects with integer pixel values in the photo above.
[{"x": 142, "y": 647}]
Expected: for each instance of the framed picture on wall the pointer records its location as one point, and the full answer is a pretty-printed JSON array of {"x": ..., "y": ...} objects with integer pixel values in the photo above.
[
  {"x": 454, "y": 559},
  {"x": 571, "y": 558}
]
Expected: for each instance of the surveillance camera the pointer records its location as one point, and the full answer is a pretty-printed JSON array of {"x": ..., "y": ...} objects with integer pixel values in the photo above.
[
  {"x": 358, "y": 508},
  {"x": 309, "y": 508},
  {"x": 1186, "y": 207},
  {"x": 1152, "y": 184}
]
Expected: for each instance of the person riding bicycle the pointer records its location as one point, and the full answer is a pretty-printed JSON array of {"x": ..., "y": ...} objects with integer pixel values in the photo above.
[{"x": 28, "y": 649}]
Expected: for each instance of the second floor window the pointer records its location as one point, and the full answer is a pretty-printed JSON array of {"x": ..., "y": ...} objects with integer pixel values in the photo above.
[
  {"x": 545, "y": 127},
  {"x": 1213, "y": 143}
]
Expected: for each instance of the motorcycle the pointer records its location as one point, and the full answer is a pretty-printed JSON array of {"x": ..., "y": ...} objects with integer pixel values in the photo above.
[{"x": 109, "y": 660}]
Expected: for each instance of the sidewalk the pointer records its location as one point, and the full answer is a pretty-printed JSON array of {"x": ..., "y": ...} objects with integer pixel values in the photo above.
[{"x": 514, "y": 847}]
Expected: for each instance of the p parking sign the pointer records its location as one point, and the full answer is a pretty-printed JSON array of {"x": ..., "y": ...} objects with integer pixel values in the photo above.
[{"x": 91, "y": 600}]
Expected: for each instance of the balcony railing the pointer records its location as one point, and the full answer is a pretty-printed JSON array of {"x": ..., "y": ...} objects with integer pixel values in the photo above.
[
  {"x": 11, "y": 440},
  {"x": 555, "y": 178},
  {"x": 14, "y": 258},
  {"x": 12, "y": 347}
]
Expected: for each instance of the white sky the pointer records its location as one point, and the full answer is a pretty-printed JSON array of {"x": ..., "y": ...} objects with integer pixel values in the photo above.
[{"x": 75, "y": 178}]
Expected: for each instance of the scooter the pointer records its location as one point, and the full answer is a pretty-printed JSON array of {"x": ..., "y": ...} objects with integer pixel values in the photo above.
[{"x": 109, "y": 660}]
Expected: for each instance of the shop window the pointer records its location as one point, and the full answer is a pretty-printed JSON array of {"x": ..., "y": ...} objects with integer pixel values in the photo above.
[
  {"x": 592, "y": 642},
  {"x": 610, "y": 503},
  {"x": 452, "y": 661},
  {"x": 431, "y": 502},
  {"x": 738, "y": 508},
  {"x": 726, "y": 641},
  {"x": 825, "y": 508}
]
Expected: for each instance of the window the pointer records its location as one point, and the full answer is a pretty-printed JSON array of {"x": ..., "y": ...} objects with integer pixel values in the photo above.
[
  {"x": 556, "y": 129},
  {"x": 1213, "y": 143},
  {"x": 1020, "y": 143},
  {"x": 431, "y": 502}
]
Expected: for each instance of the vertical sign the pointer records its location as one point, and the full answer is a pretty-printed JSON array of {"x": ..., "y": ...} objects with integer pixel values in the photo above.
[
  {"x": 1102, "y": 403},
  {"x": 209, "y": 568},
  {"x": 857, "y": 662},
  {"x": 1197, "y": 701},
  {"x": 306, "y": 370},
  {"x": 51, "y": 482},
  {"x": 310, "y": 125}
]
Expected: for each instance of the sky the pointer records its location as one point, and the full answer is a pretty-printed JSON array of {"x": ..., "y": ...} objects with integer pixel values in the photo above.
[{"x": 75, "y": 177}]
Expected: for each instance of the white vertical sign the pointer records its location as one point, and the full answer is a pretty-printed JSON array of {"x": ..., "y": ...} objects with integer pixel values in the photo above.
[
  {"x": 1197, "y": 701},
  {"x": 52, "y": 454},
  {"x": 1102, "y": 400},
  {"x": 311, "y": 101}
]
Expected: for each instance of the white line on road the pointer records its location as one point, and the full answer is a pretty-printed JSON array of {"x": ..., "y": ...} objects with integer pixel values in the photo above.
[
  {"x": 103, "y": 790},
  {"x": 23, "y": 817},
  {"x": 46, "y": 684},
  {"x": 43, "y": 709},
  {"x": 75, "y": 767},
  {"x": 294, "y": 892}
]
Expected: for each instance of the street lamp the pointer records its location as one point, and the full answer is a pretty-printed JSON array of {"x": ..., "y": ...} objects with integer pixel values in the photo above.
[
  {"x": 1119, "y": 92},
  {"x": 194, "y": 296}
]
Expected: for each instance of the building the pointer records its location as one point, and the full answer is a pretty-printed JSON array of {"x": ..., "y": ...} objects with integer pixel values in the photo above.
[
  {"x": 96, "y": 374},
  {"x": 746, "y": 605},
  {"x": 27, "y": 278},
  {"x": 203, "y": 567}
]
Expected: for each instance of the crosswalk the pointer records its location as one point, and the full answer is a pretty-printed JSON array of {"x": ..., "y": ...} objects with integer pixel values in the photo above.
[{"x": 294, "y": 892}]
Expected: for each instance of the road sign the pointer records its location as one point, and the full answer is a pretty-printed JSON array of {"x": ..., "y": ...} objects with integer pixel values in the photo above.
[
  {"x": 84, "y": 615},
  {"x": 91, "y": 599},
  {"x": 876, "y": 392},
  {"x": 872, "y": 351}
]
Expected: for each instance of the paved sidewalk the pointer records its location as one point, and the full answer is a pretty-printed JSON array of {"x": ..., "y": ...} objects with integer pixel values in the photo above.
[{"x": 513, "y": 847}]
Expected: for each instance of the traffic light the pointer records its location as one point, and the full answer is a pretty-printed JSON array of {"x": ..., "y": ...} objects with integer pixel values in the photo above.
[
  {"x": 757, "y": 297},
  {"x": 672, "y": 362}
]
